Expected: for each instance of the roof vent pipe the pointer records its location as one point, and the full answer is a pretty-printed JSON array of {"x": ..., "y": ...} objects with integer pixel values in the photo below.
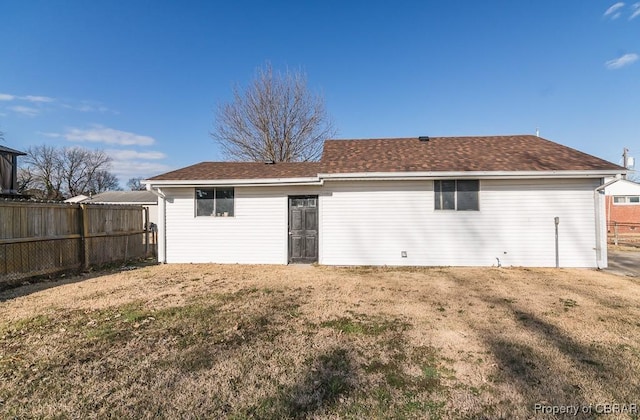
[{"x": 423, "y": 138}]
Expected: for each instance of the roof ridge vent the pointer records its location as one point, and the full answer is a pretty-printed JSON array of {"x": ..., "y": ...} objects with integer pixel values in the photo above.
[{"x": 423, "y": 138}]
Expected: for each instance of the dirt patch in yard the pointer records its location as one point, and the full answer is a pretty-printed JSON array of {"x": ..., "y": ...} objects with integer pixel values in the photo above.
[{"x": 273, "y": 341}]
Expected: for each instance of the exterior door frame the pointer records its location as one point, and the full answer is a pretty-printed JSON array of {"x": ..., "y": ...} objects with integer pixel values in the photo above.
[{"x": 290, "y": 236}]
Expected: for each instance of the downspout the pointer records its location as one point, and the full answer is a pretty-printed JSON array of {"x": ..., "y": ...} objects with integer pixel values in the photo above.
[
  {"x": 162, "y": 223},
  {"x": 601, "y": 228}
]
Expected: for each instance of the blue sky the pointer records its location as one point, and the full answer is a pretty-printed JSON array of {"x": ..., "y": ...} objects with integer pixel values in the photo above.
[{"x": 142, "y": 79}]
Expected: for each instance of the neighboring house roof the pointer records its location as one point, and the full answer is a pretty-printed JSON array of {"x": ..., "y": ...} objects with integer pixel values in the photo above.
[
  {"x": 518, "y": 153},
  {"x": 4, "y": 149},
  {"x": 622, "y": 187},
  {"x": 242, "y": 170},
  {"x": 116, "y": 197},
  {"x": 129, "y": 197},
  {"x": 77, "y": 199}
]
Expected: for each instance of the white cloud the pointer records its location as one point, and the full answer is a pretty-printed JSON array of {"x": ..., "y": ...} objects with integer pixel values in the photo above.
[
  {"x": 636, "y": 11},
  {"x": 120, "y": 154},
  {"x": 25, "y": 110},
  {"x": 125, "y": 169},
  {"x": 28, "y": 98},
  {"x": 42, "y": 101},
  {"x": 54, "y": 135},
  {"x": 622, "y": 61},
  {"x": 37, "y": 99},
  {"x": 88, "y": 106},
  {"x": 614, "y": 11},
  {"x": 100, "y": 134}
]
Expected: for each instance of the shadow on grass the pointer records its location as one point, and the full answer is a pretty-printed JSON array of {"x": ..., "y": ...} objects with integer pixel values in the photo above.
[
  {"x": 330, "y": 378},
  {"x": 26, "y": 287},
  {"x": 545, "y": 364}
]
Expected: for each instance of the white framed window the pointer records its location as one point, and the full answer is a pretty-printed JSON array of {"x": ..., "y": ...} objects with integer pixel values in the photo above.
[
  {"x": 626, "y": 199},
  {"x": 456, "y": 194},
  {"x": 217, "y": 202}
]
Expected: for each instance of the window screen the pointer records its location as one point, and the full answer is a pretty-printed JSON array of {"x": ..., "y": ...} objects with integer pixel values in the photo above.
[
  {"x": 456, "y": 194},
  {"x": 215, "y": 202}
]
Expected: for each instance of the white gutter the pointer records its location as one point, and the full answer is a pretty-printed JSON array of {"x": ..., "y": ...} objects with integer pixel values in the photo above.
[
  {"x": 378, "y": 176},
  {"x": 157, "y": 192},
  {"x": 601, "y": 228},
  {"x": 240, "y": 182},
  {"x": 361, "y": 176},
  {"x": 605, "y": 185}
]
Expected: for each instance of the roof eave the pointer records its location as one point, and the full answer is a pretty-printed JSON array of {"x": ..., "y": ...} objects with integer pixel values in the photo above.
[
  {"x": 319, "y": 180},
  {"x": 235, "y": 182},
  {"x": 469, "y": 174},
  {"x": 9, "y": 150}
]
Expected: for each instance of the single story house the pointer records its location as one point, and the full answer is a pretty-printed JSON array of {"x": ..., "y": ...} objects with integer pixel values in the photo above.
[
  {"x": 622, "y": 201},
  {"x": 423, "y": 201},
  {"x": 146, "y": 199}
]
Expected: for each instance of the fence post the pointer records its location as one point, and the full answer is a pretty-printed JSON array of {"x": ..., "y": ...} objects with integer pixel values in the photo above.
[
  {"x": 615, "y": 233},
  {"x": 84, "y": 232},
  {"x": 146, "y": 232}
]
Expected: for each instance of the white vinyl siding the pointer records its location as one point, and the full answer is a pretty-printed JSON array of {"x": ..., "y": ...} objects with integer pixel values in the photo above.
[
  {"x": 257, "y": 234},
  {"x": 372, "y": 222}
]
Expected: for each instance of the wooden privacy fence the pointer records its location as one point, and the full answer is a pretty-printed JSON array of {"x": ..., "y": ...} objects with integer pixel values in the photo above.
[{"x": 39, "y": 238}]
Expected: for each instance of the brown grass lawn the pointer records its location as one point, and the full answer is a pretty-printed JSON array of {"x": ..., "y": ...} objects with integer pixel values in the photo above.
[{"x": 211, "y": 341}]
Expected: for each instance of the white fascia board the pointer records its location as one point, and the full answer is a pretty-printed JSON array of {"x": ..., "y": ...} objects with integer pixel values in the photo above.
[
  {"x": 362, "y": 176},
  {"x": 379, "y": 176},
  {"x": 233, "y": 182}
]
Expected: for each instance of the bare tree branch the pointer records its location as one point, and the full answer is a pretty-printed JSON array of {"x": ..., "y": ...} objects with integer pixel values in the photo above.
[
  {"x": 134, "y": 184},
  {"x": 275, "y": 118},
  {"x": 65, "y": 172},
  {"x": 104, "y": 181}
]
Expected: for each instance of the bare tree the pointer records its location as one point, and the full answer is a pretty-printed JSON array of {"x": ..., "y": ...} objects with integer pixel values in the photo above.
[
  {"x": 275, "y": 118},
  {"x": 44, "y": 164},
  {"x": 134, "y": 184},
  {"x": 79, "y": 169},
  {"x": 104, "y": 181},
  {"x": 55, "y": 173},
  {"x": 26, "y": 179}
]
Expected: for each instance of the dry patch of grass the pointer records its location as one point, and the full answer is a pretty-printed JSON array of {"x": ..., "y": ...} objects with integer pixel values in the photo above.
[{"x": 285, "y": 342}]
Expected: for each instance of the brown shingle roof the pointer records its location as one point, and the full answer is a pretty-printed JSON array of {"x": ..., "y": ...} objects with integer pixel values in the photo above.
[
  {"x": 495, "y": 153},
  {"x": 241, "y": 170},
  {"x": 438, "y": 154}
]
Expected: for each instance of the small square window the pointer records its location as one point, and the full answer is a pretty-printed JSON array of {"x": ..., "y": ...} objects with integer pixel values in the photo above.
[
  {"x": 456, "y": 194},
  {"x": 468, "y": 194},
  {"x": 205, "y": 202},
  {"x": 224, "y": 202},
  {"x": 215, "y": 202}
]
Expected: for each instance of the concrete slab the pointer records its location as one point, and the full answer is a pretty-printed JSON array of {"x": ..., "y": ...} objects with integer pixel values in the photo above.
[{"x": 625, "y": 263}]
